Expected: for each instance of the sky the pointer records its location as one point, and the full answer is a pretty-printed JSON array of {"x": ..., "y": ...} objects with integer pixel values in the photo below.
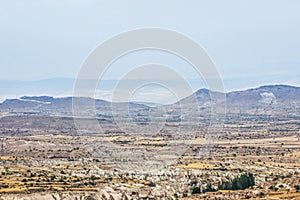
[{"x": 251, "y": 42}]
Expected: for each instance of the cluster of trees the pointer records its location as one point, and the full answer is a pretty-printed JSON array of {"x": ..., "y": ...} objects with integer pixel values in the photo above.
[{"x": 239, "y": 183}]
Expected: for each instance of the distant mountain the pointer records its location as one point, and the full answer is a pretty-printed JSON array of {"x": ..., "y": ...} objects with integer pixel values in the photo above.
[
  {"x": 266, "y": 94},
  {"x": 264, "y": 99},
  {"x": 47, "y": 105}
]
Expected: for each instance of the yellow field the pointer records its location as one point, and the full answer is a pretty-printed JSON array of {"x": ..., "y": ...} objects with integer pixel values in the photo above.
[{"x": 198, "y": 166}]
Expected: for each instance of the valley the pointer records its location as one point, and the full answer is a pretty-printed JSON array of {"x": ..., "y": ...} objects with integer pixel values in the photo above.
[{"x": 48, "y": 153}]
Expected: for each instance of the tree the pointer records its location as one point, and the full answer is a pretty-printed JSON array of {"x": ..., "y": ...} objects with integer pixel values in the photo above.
[{"x": 196, "y": 190}]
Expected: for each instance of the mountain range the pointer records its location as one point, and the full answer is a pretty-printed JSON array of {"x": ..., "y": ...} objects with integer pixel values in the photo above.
[{"x": 261, "y": 100}]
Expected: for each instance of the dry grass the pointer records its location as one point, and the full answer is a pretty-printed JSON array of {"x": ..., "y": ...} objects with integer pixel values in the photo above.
[
  {"x": 13, "y": 190},
  {"x": 198, "y": 166},
  {"x": 284, "y": 195}
]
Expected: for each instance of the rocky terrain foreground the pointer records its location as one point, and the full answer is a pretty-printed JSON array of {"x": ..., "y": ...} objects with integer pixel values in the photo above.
[{"x": 48, "y": 153}]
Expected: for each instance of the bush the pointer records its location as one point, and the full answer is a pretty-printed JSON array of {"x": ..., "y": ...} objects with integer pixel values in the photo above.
[
  {"x": 151, "y": 184},
  {"x": 93, "y": 177}
]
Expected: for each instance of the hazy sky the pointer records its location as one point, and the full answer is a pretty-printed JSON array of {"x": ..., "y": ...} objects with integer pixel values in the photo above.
[{"x": 257, "y": 40}]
